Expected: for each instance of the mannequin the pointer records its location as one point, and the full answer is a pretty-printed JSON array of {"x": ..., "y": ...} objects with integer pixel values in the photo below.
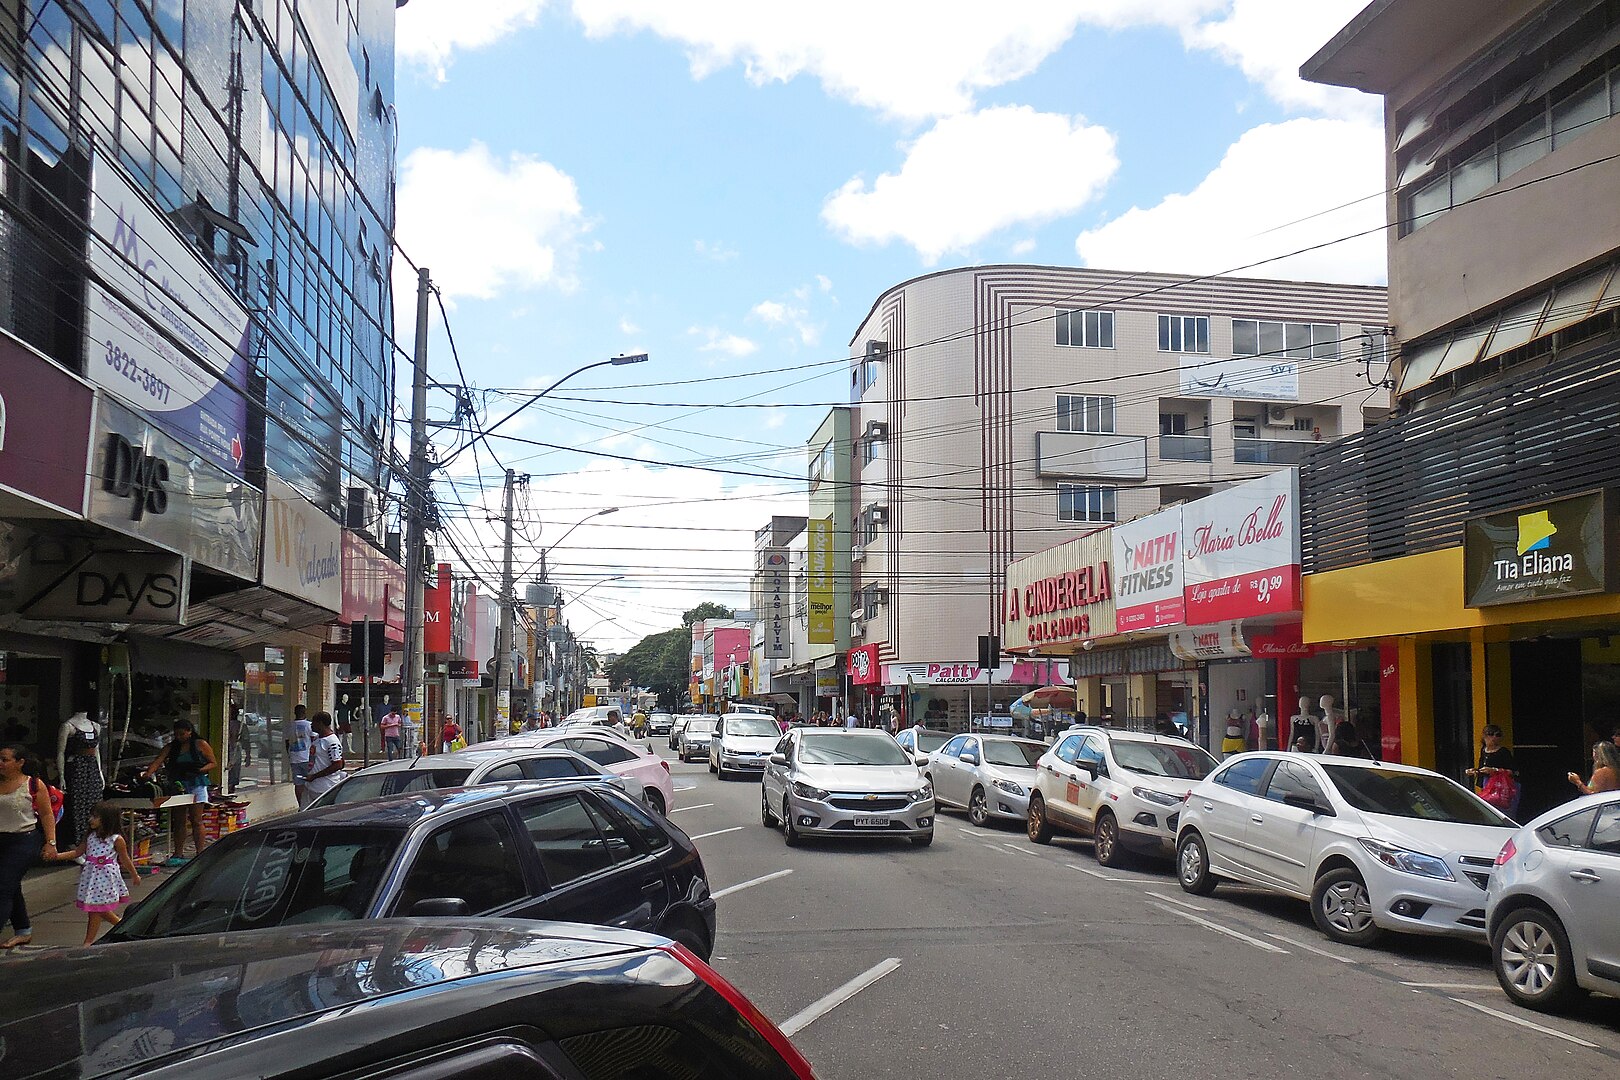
[
  {"x": 1330, "y": 719},
  {"x": 1234, "y": 743},
  {"x": 1302, "y": 725},
  {"x": 1264, "y": 736},
  {"x": 78, "y": 763}
]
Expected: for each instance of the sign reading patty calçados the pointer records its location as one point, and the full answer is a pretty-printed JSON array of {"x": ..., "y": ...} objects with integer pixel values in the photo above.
[
  {"x": 1545, "y": 551},
  {"x": 1062, "y": 596}
]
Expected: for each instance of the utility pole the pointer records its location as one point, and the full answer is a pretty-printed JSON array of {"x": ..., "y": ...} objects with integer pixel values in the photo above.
[
  {"x": 416, "y": 490},
  {"x": 503, "y": 646}
]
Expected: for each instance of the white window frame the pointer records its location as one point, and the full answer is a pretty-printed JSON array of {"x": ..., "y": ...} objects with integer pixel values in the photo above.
[
  {"x": 1085, "y": 407},
  {"x": 1271, "y": 339},
  {"x": 1176, "y": 331},
  {"x": 1101, "y": 505},
  {"x": 1096, "y": 328}
]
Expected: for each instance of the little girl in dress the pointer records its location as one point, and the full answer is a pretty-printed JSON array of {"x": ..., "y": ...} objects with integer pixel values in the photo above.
[{"x": 101, "y": 880}]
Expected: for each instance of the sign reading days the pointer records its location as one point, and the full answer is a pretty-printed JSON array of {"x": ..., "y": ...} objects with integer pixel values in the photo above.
[
  {"x": 1147, "y": 571},
  {"x": 1061, "y": 596},
  {"x": 1547, "y": 551},
  {"x": 1240, "y": 551}
]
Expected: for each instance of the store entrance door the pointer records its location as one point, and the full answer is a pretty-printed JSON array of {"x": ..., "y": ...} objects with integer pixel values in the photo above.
[{"x": 1548, "y": 706}]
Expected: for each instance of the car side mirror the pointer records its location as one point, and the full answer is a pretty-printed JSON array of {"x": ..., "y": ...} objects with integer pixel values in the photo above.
[
  {"x": 1088, "y": 766},
  {"x": 970, "y": 759},
  {"x": 1307, "y": 802},
  {"x": 778, "y": 759},
  {"x": 440, "y": 907}
]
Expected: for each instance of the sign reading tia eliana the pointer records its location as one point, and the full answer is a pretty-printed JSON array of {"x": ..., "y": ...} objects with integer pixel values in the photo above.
[{"x": 1541, "y": 552}]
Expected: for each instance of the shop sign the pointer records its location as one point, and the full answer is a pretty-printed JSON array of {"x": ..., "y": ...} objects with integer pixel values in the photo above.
[
  {"x": 777, "y": 644},
  {"x": 1222, "y": 641},
  {"x": 1546, "y": 551},
  {"x": 154, "y": 279},
  {"x": 1061, "y": 596},
  {"x": 461, "y": 670},
  {"x": 826, "y": 685},
  {"x": 301, "y": 547},
  {"x": 116, "y": 587},
  {"x": 1147, "y": 572},
  {"x": 1251, "y": 378},
  {"x": 373, "y": 585},
  {"x": 1240, "y": 551},
  {"x": 823, "y": 615},
  {"x": 45, "y": 416},
  {"x": 864, "y": 669},
  {"x": 151, "y": 487},
  {"x": 436, "y": 613},
  {"x": 1282, "y": 642}
]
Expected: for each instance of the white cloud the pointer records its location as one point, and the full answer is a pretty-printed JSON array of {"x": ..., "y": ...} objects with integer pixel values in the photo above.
[
  {"x": 429, "y": 34},
  {"x": 1023, "y": 247},
  {"x": 1269, "y": 39},
  {"x": 974, "y": 174},
  {"x": 716, "y": 251},
  {"x": 485, "y": 225},
  {"x": 717, "y": 340},
  {"x": 628, "y": 327},
  {"x": 824, "y": 283},
  {"x": 1265, "y": 199},
  {"x": 777, "y": 314}
]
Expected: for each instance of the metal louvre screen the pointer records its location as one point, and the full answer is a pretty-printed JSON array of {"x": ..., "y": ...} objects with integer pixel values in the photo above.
[{"x": 1407, "y": 485}]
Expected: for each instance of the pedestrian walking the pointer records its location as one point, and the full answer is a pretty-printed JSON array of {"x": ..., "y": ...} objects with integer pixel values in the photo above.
[
  {"x": 298, "y": 740},
  {"x": 1605, "y": 770},
  {"x": 450, "y": 735},
  {"x": 187, "y": 759},
  {"x": 102, "y": 890},
  {"x": 1496, "y": 771},
  {"x": 325, "y": 756},
  {"x": 27, "y": 827},
  {"x": 391, "y": 725}
]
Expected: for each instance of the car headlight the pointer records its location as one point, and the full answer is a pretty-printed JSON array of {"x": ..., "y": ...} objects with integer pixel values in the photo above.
[
  {"x": 923, "y": 793},
  {"x": 1010, "y": 788},
  {"x": 808, "y": 791},
  {"x": 1161, "y": 797},
  {"x": 1406, "y": 861}
]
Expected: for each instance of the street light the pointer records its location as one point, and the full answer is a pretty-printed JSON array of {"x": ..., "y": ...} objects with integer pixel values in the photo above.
[
  {"x": 616, "y": 361},
  {"x": 548, "y": 548}
]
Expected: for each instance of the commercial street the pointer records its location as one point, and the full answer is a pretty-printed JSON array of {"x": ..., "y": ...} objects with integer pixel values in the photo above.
[{"x": 1014, "y": 959}]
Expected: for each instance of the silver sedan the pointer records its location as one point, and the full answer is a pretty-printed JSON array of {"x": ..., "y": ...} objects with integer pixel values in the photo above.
[
  {"x": 845, "y": 783},
  {"x": 989, "y": 776}
]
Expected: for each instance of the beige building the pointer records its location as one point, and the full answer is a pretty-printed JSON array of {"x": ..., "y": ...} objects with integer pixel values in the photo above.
[{"x": 1001, "y": 410}]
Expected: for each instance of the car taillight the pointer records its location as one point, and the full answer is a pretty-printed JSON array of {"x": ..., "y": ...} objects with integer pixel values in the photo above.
[
  {"x": 1186, "y": 795},
  {"x": 1507, "y": 853},
  {"x": 757, "y": 1020},
  {"x": 664, "y": 763}
]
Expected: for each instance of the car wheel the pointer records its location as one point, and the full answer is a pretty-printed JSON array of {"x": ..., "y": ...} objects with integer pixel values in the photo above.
[
  {"x": 766, "y": 818},
  {"x": 790, "y": 832},
  {"x": 695, "y": 941},
  {"x": 712, "y": 769},
  {"x": 924, "y": 840},
  {"x": 1105, "y": 843},
  {"x": 1531, "y": 954},
  {"x": 1040, "y": 830},
  {"x": 655, "y": 800},
  {"x": 1342, "y": 907},
  {"x": 1192, "y": 865},
  {"x": 978, "y": 809}
]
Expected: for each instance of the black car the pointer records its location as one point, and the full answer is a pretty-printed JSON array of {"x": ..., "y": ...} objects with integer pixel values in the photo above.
[
  {"x": 575, "y": 852},
  {"x": 396, "y": 999}
]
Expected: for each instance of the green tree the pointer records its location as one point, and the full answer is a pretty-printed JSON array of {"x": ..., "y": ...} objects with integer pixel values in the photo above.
[
  {"x": 660, "y": 662},
  {"x": 706, "y": 611}
]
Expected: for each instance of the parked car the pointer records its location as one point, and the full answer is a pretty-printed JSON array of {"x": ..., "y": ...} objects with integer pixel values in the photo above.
[
  {"x": 680, "y": 725},
  {"x": 617, "y": 754},
  {"x": 693, "y": 741},
  {"x": 575, "y": 852},
  {"x": 921, "y": 743},
  {"x": 989, "y": 776},
  {"x": 1122, "y": 788},
  {"x": 481, "y": 764},
  {"x": 1371, "y": 846},
  {"x": 828, "y": 782},
  {"x": 1552, "y": 905},
  {"x": 659, "y": 723},
  {"x": 398, "y": 999},
  {"x": 742, "y": 742}
]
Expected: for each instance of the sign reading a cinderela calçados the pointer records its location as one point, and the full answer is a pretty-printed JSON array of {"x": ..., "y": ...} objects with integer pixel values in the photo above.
[{"x": 1543, "y": 551}]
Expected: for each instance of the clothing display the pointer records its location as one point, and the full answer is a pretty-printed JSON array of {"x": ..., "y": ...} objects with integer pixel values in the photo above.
[
  {"x": 101, "y": 880},
  {"x": 78, "y": 766}
]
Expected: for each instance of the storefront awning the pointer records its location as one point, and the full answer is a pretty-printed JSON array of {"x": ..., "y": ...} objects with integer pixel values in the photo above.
[{"x": 179, "y": 659}]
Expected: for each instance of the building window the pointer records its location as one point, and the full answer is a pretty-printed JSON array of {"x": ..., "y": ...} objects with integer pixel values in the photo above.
[
  {"x": 1172, "y": 423},
  {"x": 1245, "y": 427},
  {"x": 1076, "y": 502},
  {"x": 870, "y": 597},
  {"x": 1092, "y": 414},
  {"x": 823, "y": 465},
  {"x": 869, "y": 450},
  {"x": 1184, "y": 333},
  {"x": 1298, "y": 341},
  {"x": 1087, "y": 329},
  {"x": 1304, "y": 423}
]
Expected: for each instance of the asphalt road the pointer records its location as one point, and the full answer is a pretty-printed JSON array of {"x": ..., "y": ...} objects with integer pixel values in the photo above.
[{"x": 986, "y": 956}]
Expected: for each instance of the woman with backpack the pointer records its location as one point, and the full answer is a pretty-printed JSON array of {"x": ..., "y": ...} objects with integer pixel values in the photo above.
[{"x": 26, "y": 818}]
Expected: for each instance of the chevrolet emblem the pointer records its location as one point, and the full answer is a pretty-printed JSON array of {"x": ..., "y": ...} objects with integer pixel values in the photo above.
[{"x": 871, "y": 798}]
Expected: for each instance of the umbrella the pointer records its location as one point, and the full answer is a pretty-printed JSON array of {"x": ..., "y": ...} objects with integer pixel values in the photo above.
[{"x": 1049, "y": 697}]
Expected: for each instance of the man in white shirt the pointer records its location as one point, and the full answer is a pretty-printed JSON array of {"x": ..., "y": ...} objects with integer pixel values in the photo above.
[
  {"x": 299, "y": 737},
  {"x": 325, "y": 757}
]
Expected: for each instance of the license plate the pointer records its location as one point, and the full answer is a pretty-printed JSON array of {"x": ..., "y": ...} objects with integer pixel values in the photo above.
[{"x": 870, "y": 822}]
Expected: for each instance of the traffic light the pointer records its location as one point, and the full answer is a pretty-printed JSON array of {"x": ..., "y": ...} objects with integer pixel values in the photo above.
[
  {"x": 989, "y": 651},
  {"x": 366, "y": 653}
]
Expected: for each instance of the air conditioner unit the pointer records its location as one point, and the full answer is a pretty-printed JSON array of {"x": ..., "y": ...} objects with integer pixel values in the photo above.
[
  {"x": 877, "y": 350},
  {"x": 876, "y": 431},
  {"x": 1277, "y": 416},
  {"x": 857, "y": 553},
  {"x": 391, "y": 544},
  {"x": 879, "y": 514},
  {"x": 359, "y": 511},
  {"x": 882, "y": 596}
]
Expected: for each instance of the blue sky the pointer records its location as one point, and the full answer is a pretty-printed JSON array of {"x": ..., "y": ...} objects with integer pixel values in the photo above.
[{"x": 727, "y": 185}]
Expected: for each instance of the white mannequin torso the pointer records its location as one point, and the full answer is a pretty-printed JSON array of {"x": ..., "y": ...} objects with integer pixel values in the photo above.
[{"x": 77, "y": 724}]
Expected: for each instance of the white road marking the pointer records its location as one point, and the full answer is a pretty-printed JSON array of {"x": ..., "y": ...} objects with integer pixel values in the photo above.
[
  {"x": 1479, "y": 987},
  {"x": 1020, "y": 851},
  {"x": 992, "y": 847},
  {"x": 1522, "y": 1022},
  {"x": 1311, "y": 948},
  {"x": 741, "y": 885},
  {"x": 1219, "y": 929},
  {"x": 826, "y": 1004},
  {"x": 717, "y": 832},
  {"x": 699, "y": 806},
  {"x": 1177, "y": 901},
  {"x": 1100, "y": 876}
]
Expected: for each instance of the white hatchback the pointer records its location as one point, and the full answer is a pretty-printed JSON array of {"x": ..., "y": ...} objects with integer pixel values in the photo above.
[
  {"x": 1371, "y": 846},
  {"x": 615, "y": 754}
]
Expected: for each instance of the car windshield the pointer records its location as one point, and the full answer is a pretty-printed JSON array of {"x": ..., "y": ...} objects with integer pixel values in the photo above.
[
  {"x": 1179, "y": 762},
  {"x": 852, "y": 748},
  {"x": 752, "y": 725},
  {"x": 929, "y": 741},
  {"x": 270, "y": 877},
  {"x": 1018, "y": 755},
  {"x": 363, "y": 786},
  {"x": 1411, "y": 795},
  {"x": 700, "y": 727}
]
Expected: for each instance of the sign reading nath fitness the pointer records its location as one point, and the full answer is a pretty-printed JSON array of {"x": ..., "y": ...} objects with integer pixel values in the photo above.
[{"x": 1545, "y": 551}]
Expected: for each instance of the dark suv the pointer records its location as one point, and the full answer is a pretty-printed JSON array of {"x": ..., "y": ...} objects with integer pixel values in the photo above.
[
  {"x": 578, "y": 852},
  {"x": 398, "y": 999}
]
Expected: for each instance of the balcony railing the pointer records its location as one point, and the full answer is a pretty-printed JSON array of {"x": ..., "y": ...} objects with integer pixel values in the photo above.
[
  {"x": 1270, "y": 451},
  {"x": 1183, "y": 447}
]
